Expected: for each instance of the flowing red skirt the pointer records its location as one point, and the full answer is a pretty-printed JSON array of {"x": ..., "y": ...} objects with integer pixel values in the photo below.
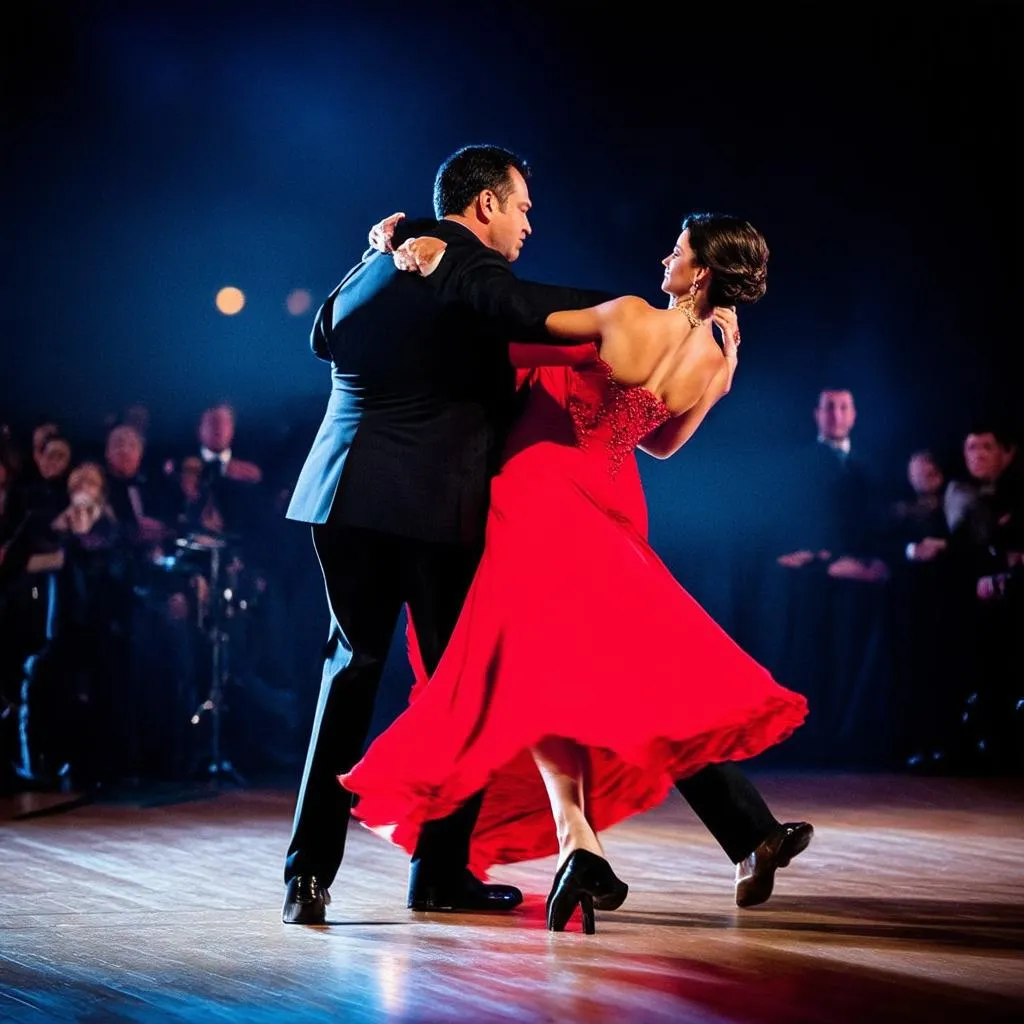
[{"x": 574, "y": 628}]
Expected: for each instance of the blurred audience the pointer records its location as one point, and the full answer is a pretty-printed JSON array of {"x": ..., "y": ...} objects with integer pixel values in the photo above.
[
  {"x": 110, "y": 622},
  {"x": 122, "y": 589}
]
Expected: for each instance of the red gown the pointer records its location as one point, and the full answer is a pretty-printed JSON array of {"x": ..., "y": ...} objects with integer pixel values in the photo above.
[{"x": 573, "y": 627}]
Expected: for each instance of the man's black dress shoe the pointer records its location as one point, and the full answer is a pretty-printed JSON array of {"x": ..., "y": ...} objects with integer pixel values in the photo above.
[
  {"x": 462, "y": 893},
  {"x": 755, "y": 875},
  {"x": 305, "y": 901}
]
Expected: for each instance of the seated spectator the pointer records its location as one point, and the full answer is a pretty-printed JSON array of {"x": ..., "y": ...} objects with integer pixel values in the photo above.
[
  {"x": 923, "y": 623},
  {"x": 985, "y": 515},
  {"x": 920, "y": 523},
  {"x": 88, "y": 516}
]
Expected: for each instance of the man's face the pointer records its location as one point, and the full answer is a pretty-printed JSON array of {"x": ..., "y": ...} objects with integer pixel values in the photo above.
[
  {"x": 509, "y": 226},
  {"x": 924, "y": 476},
  {"x": 835, "y": 415},
  {"x": 985, "y": 457},
  {"x": 124, "y": 452},
  {"x": 217, "y": 429}
]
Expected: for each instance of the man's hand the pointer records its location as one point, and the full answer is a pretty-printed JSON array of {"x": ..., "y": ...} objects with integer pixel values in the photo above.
[
  {"x": 152, "y": 531},
  {"x": 244, "y": 472},
  {"x": 420, "y": 255},
  {"x": 927, "y": 549},
  {"x": 847, "y": 568},
  {"x": 795, "y": 559},
  {"x": 381, "y": 232}
]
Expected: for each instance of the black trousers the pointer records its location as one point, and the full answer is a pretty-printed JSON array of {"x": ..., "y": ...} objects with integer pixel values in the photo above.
[
  {"x": 369, "y": 576},
  {"x": 730, "y": 807}
]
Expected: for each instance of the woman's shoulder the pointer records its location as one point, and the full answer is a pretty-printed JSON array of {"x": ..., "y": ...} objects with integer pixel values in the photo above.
[{"x": 630, "y": 306}]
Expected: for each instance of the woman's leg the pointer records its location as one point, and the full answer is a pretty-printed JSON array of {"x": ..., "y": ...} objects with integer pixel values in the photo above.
[{"x": 564, "y": 767}]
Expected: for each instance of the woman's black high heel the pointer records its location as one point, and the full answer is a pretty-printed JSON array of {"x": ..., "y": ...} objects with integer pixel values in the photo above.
[{"x": 585, "y": 880}]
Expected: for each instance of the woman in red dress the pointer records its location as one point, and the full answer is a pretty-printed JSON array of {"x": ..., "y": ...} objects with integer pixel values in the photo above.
[{"x": 589, "y": 697}]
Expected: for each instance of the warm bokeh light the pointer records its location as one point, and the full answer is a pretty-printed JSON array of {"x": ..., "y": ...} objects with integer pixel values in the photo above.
[
  {"x": 230, "y": 300},
  {"x": 298, "y": 301}
]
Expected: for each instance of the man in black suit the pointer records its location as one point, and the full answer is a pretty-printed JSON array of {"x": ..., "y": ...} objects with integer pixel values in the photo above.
[{"x": 396, "y": 488}]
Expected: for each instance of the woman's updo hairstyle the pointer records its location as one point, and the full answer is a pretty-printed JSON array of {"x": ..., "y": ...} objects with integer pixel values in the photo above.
[{"x": 736, "y": 254}]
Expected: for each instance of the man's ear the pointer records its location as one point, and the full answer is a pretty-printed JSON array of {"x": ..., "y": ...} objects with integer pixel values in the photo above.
[{"x": 486, "y": 204}]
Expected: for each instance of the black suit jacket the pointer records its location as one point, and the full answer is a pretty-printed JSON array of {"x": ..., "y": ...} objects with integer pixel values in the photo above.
[
  {"x": 831, "y": 504},
  {"x": 422, "y": 389}
]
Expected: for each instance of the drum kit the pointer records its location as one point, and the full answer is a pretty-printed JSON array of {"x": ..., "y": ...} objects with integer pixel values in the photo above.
[{"x": 207, "y": 556}]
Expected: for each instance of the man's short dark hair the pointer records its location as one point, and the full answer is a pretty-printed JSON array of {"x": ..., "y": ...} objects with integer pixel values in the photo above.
[
  {"x": 999, "y": 430},
  {"x": 470, "y": 171}
]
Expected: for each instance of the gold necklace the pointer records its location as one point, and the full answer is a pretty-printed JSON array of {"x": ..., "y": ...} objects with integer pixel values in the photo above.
[{"x": 686, "y": 308}]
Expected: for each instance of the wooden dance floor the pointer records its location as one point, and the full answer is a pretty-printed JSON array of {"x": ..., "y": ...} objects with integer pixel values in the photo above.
[{"x": 908, "y": 906}]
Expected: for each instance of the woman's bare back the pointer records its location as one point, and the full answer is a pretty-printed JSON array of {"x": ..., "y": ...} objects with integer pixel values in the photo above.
[{"x": 659, "y": 350}]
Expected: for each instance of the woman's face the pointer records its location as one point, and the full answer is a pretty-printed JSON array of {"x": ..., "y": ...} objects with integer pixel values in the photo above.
[
  {"x": 54, "y": 460},
  {"x": 41, "y": 435},
  {"x": 680, "y": 267}
]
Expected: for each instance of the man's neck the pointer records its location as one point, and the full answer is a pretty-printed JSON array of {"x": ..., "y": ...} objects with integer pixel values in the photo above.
[
  {"x": 209, "y": 455},
  {"x": 472, "y": 225},
  {"x": 840, "y": 444}
]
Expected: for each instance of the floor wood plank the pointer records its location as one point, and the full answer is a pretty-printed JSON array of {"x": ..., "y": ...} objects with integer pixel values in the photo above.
[{"x": 908, "y": 906}]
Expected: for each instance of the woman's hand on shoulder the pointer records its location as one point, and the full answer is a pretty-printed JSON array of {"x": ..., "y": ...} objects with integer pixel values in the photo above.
[
  {"x": 420, "y": 255},
  {"x": 381, "y": 232},
  {"x": 728, "y": 323}
]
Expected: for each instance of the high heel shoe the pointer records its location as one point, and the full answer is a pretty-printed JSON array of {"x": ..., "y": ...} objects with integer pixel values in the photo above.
[{"x": 585, "y": 880}]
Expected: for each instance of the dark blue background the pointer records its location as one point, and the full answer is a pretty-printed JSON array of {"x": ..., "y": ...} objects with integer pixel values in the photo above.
[{"x": 157, "y": 152}]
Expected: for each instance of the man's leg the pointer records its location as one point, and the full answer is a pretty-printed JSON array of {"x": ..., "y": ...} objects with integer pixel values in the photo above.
[
  {"x": 735, "y": 813},
  {"x": 362, "y": 574},
  {"x": 730, "y": 806},
  {"x": 438, "y": 579}
]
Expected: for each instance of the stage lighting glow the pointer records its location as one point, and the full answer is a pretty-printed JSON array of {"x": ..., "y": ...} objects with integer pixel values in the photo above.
[
  {"x": 230, "y": 300},
  {"x": 298, "y": 301}
]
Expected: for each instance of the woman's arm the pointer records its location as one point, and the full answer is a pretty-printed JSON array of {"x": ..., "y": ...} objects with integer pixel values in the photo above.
[
  {"x": 667, "y": 439},
  {"x": 581, "y": 325}
]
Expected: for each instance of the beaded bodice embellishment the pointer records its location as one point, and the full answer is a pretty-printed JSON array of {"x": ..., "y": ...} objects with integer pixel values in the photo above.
[{"x": 627, "y": 412}]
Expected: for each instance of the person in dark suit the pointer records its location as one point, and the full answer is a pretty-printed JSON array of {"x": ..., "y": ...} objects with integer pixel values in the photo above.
[
  {"x": 396, "y": 487},
  {"x": 828, "y": 614}
]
